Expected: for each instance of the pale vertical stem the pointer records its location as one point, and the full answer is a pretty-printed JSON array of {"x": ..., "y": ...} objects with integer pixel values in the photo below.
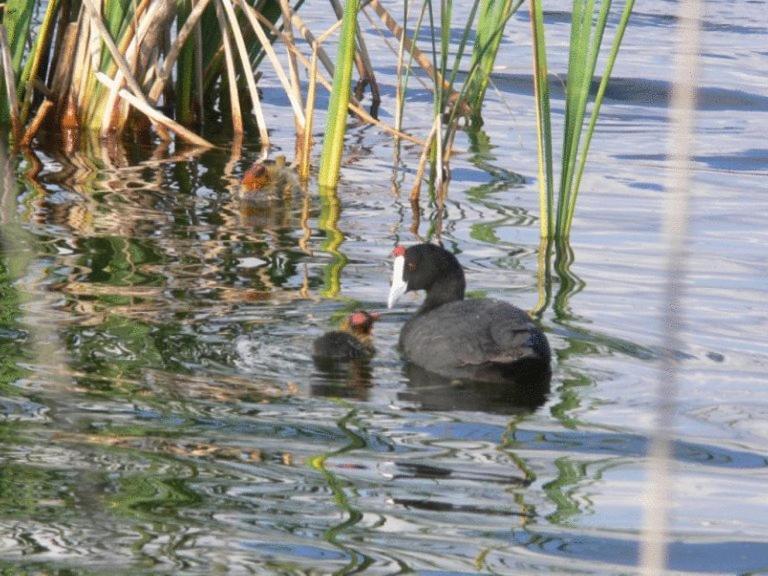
[
  {"x": 309, "y": 114},
  {"x": 543, "y": 125},
  {"x": 234, "y": 97},
  {"x": 199, "y": 72},
  {"x": 293, "y": 67},
  {"x": 682, "y": 126},
  {"x": 399, "y": 95},
  {"x": 357, "y": 110},
  {"x": 80, "y": 67},
  {"x": 439, "y": 155}
]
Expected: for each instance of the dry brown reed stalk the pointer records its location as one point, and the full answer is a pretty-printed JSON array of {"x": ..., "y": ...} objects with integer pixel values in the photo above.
[
  {"x": 248, "y": 72},
  {"x": 61, "y": 74},
  {"x": 155, "y": 115},
  {"x": 287, "y": 14},
  {"x": 234, "y": 98},
  {"x": 123, "y": 66},
  {"x": 306, "y": 148},
  {"x": 420, "y": 58},
  {"x": 353, "y": 105},
  {"x": 293, "y": 69},
  {"x": 75, "y": 78},
  {"x": 115, "y": 113},
  {"x": 37, "y": 122},
  {"x": 293, "y": 95},
  {"x": 416, "y": 190},
  {"x": 199, "y": 73},
  {"x": 310, "y": 39},
  {"x": 192, "y": 23},
  {"x": 399, "y": 89}
]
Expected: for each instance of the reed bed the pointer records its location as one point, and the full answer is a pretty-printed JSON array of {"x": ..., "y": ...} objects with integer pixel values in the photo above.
[{"x": 113, "y": 67}]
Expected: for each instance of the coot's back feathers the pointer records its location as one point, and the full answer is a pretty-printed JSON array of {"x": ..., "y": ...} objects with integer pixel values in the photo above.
[{"x": 478, "y": 339}]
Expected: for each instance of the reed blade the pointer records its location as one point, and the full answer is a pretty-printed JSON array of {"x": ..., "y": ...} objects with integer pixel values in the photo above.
[
  {"x": 543, "y": 121},
  {"x": 336, "y": 122}
]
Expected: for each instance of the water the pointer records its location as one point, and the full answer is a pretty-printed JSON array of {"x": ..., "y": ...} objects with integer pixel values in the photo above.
[{"x": 159, "y": 412}]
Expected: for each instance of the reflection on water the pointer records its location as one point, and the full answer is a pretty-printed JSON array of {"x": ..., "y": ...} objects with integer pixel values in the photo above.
[
  {"x": 160, "y": 413},
  {"x": 433, "y": 392}
]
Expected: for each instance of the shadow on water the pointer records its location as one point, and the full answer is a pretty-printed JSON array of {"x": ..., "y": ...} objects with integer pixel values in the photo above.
[{"x": 642, "y": 92}]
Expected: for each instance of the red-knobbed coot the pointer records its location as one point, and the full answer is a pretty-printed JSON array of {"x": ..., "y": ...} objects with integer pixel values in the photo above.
[
  {"x": 352, "y": 342},
  {"x": 476, "y": 339}
]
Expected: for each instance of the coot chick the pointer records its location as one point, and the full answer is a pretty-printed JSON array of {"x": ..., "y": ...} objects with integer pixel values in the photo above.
[
  {"x": 477, "y": 339},
  {"x": 268, "y": 177},
  {"x": 352, "y": 342}
]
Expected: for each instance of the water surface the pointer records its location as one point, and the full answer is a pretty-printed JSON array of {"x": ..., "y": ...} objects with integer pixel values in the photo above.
[{"x": 159, "y": 412}]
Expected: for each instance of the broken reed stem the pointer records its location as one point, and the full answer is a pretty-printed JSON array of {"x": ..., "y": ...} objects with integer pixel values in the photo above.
[
  {"x": 129, "y": 46},
  {"x": 416, "y": 190},
  {"x": 410, "y": 46},
  {"x": 309, "y": 38},
  {"x": 37, "y": 121},
  {"x": 155, "y": 115}
]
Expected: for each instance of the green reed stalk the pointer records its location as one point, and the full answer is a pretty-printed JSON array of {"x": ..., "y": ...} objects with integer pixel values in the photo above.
[
  {"x": 491, "y": 21},
  {"x": 543, "y": 122},
  {"x": 17, "y": 17},
  {"x": 37, "y": 53},
  {"x": 185, "y": 71},
  {"x": 621, "y": 28},
  {"x": 588, "y": 24},
  {"x": 582, "y": 59},
  {"x": 336, "y": 123}
]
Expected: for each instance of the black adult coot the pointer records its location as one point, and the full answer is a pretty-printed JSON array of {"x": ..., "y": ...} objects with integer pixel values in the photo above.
[
  {"x": 352, "y": 342},
  {"x": 477, "y": 339}
]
